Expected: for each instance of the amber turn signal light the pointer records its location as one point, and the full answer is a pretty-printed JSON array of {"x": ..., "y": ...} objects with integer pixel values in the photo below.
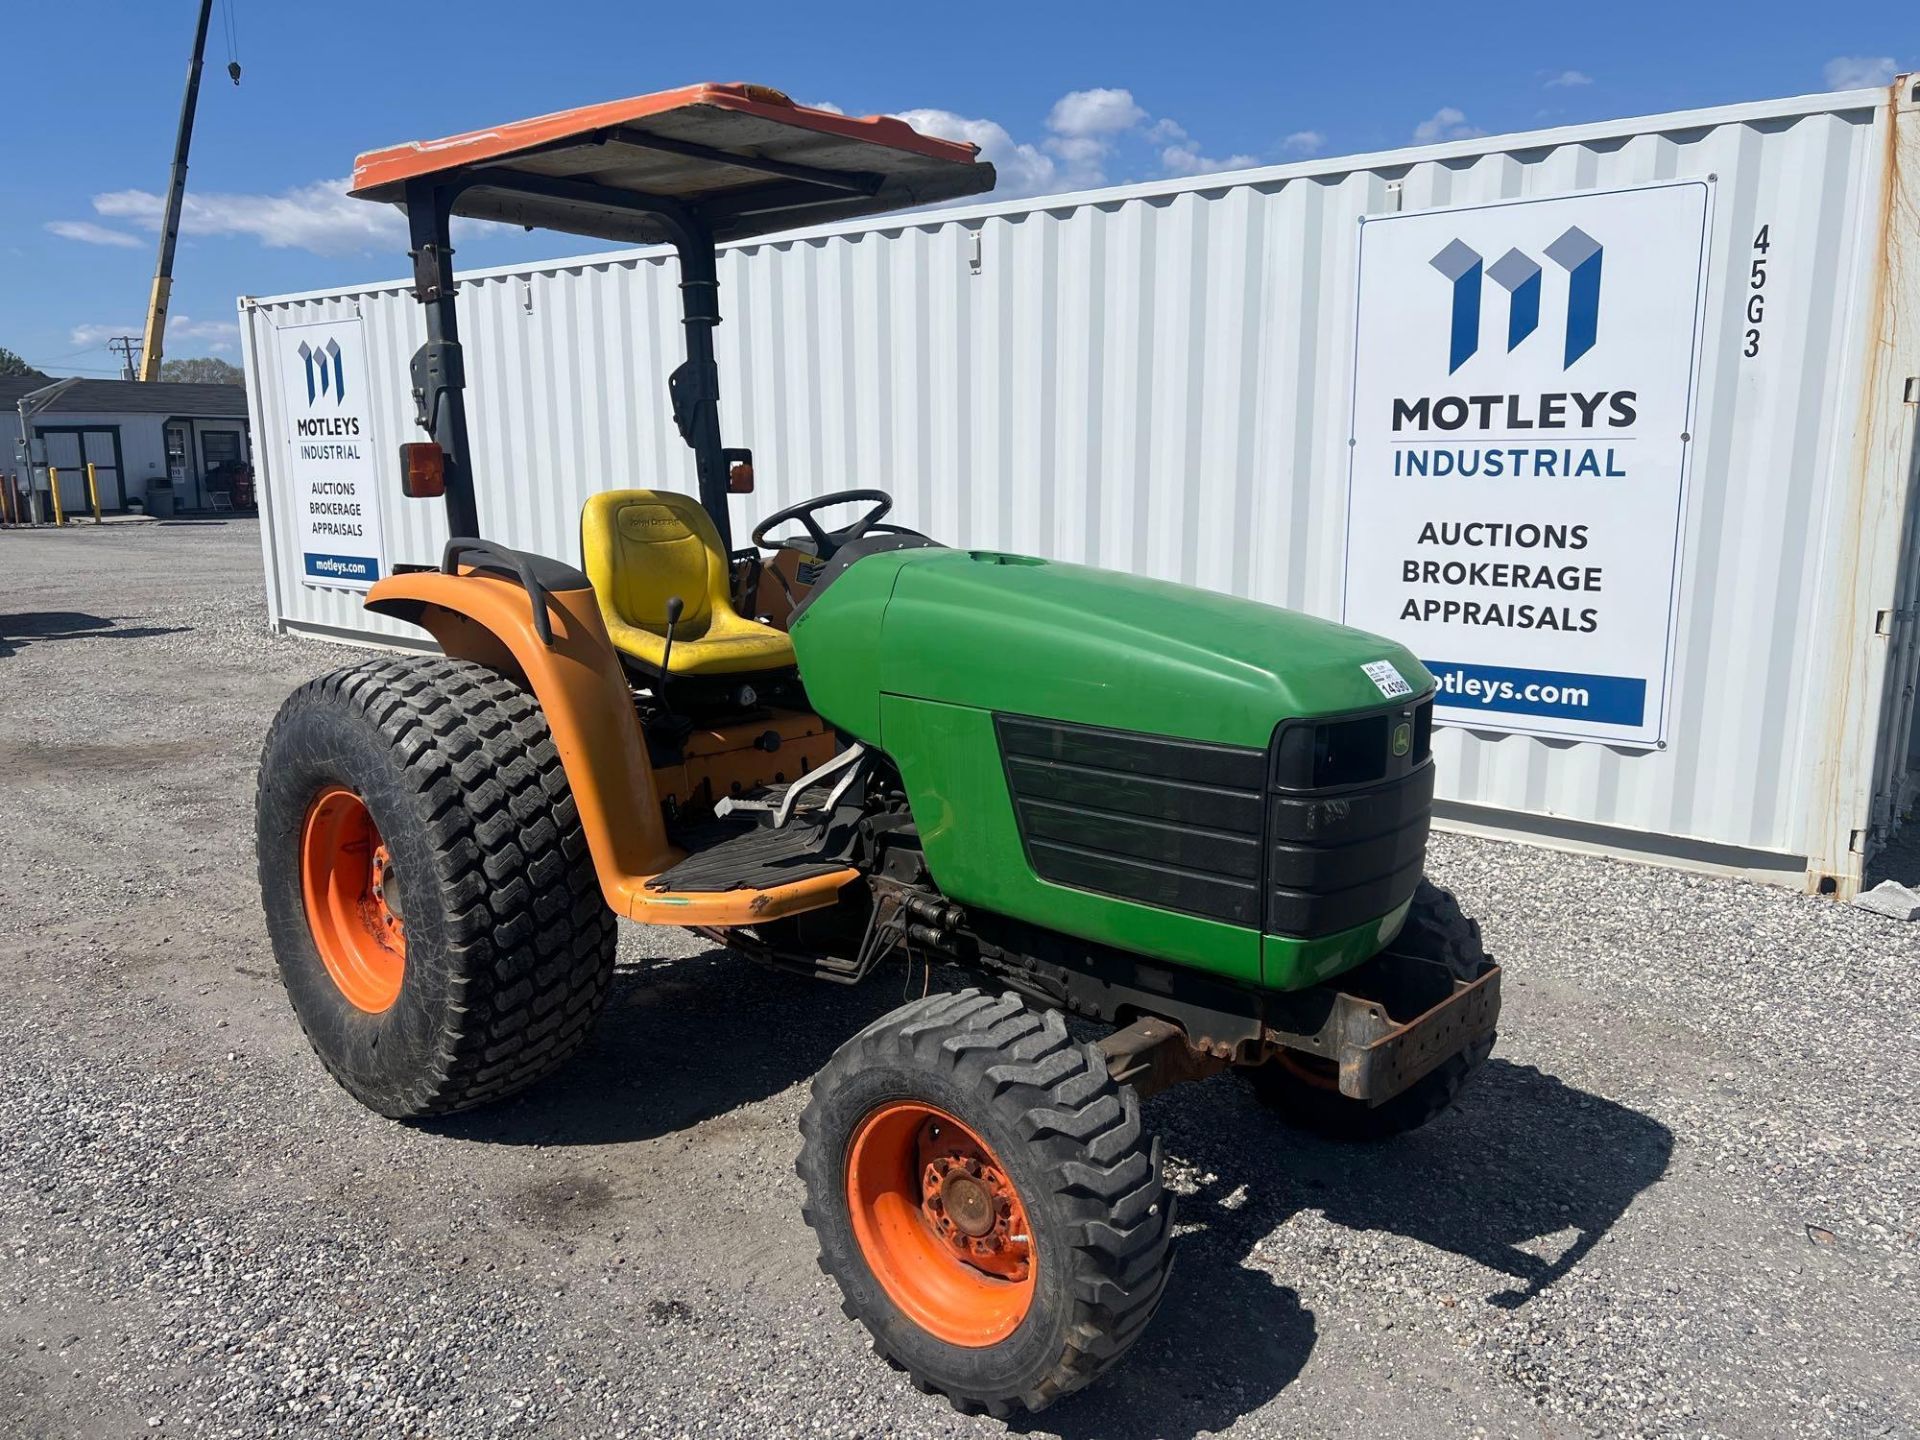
[
  {"x": 740, "y": 478},
  {"x": 423, "y": 471}
]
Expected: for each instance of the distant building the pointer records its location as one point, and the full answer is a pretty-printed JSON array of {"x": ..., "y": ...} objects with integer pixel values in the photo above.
[{"x": 135, "y": 434}]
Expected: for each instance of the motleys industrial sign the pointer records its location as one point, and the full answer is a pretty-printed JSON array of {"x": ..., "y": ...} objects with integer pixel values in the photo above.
[
  {"x": 330, "y": 465},
  {"x": 1523, "y": 392}
]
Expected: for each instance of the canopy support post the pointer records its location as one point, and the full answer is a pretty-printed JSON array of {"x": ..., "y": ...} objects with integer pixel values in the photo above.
[
  {"x": 695, "y": 386},
  {"x": 439, "y": 373},
  {"x": 439, "y": 376}
]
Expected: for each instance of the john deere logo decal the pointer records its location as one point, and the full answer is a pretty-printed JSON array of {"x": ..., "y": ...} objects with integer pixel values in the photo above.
[
  {"x": 325, "y": 374},
  {"x": 1576, "y": 252},
  {"x": 1402, "y": 738}
]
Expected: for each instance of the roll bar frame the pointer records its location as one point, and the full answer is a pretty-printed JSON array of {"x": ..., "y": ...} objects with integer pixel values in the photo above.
[{"x": 438, "y": 368}]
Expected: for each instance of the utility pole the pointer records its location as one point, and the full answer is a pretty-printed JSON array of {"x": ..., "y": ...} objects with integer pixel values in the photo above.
[
  {"x": 126, "y": 347},
  {"x": 155, "y": 343}
]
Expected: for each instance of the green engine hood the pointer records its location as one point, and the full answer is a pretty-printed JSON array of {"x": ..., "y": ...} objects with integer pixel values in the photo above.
[{"x": 1067, "y": 642}]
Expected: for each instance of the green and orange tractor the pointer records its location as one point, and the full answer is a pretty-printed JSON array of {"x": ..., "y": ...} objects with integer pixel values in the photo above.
[{"x": 1195, "y": 822}]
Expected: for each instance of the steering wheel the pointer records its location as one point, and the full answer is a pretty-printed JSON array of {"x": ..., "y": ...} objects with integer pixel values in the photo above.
[{"x": 826, "y": 542}]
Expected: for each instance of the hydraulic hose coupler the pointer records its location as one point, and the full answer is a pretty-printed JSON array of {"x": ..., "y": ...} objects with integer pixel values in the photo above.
[
  {"x": 934, "y": 911},
  {"x": 929, "y": 937}
]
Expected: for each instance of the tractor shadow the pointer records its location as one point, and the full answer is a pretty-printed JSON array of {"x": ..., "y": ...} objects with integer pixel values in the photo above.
[
  {"x": 1524, "y": 1177},
  {"x": 36, "y": 627},
  {"x": 681, "y": 1041}
]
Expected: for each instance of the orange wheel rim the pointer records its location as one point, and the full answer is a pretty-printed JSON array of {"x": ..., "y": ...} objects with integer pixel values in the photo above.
[
  {"x": 940, "y": 1224},
  {"x": 346, "y": 880}
]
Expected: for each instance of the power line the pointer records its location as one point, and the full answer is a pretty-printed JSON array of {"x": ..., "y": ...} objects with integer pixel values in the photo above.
[
  {"x": 44, "y": 367},
  {"x": 83, "y": 350}
]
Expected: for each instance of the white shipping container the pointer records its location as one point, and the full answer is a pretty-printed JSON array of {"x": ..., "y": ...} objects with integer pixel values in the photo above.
[{"x": 1160, "y": 379}]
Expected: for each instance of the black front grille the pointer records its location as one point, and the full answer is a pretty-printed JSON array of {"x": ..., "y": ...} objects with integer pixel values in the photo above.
[
  {"x": 1324, "y": 830},
  {"x": 1176, "y": 824}
]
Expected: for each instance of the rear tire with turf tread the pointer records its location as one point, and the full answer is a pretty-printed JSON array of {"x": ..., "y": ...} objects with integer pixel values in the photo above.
[
  {"x": 509, "y": 945},
  {"x": 1070, "y": 1139},
  {"x": 1436, "y": 929}
]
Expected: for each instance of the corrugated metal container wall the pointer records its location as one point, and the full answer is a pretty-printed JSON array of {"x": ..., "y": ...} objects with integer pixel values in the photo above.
[{"x": 1156, "y": 379}]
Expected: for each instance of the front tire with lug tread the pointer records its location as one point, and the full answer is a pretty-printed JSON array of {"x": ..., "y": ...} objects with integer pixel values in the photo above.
[
  {"x": 1026, "y": 1130},
  {"x": 422, "y": 799}
]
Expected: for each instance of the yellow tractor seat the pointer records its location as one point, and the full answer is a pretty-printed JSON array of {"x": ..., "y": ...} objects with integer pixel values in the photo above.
[{"x": 641, "y": 548}]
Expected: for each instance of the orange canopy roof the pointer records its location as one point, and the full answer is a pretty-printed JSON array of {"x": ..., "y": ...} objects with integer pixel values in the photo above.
[{"x": 744, "y": 157}]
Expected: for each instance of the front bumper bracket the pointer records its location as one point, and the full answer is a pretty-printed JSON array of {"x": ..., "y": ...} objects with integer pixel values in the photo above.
[{"x": 1394, "y": 1022}]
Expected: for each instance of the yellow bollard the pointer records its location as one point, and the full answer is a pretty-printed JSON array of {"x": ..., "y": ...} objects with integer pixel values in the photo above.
[
  {"x": 93, "y": 493},
  {"x": 53, "y": 489},
  {"x": 6, "y": 499}
]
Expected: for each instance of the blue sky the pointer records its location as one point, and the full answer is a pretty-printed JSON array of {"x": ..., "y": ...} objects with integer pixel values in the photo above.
[{"x": 1062, "y": 96}]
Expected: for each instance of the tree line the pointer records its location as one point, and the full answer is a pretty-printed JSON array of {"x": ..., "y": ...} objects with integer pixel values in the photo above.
[{"x": 200, "y": 370}]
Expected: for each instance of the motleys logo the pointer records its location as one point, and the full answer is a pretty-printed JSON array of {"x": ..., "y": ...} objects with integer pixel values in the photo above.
[
  {"x": 326, "y": 375},
  {"x": 1518, "y": 273}
]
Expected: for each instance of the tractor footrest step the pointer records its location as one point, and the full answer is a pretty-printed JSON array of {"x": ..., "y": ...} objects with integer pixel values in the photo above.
[{"x": 729, "y": 856}]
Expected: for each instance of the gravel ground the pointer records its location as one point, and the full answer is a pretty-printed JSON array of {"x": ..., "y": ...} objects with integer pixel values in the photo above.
[{"x": 1682, "y": 1200}]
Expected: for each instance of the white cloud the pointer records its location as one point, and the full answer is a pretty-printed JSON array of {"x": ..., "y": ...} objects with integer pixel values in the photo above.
[
  {"x": 1446, "y": 123},
  {"x": 319, "y": 217},
  {"x": 210, "y": 330},
  {"x": 1086, "y": 124},
  {"x": 1568, "y": 79},
  {"x": 826, "y": 105},
  {"x": 1023, "y": 169},
  {"x": 1079, "y": 150},
  {"x": 1859, "y": 72},
  {"x": 219, "y": 333},
  {"x": 1083, "y": 160},
  {"x": 1086, "y": 130},
  {"x": 89, "y": 233},
  {"x": 1094, "y": 112},
  {"x": 1187, "y": 160},
  {"x": 91, "y": 335},
  {"x": 1304, "y": 142}
]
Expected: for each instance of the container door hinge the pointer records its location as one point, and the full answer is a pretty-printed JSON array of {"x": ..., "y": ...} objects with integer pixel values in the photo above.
[{"x": 1885, "y": 620}]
